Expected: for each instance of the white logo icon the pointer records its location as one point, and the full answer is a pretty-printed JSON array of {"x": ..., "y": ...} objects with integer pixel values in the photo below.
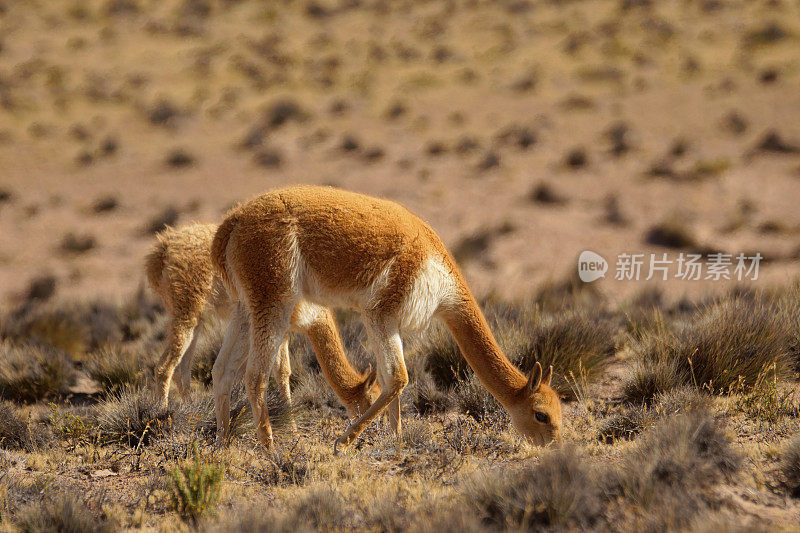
[{"x": 591, "y": 266}]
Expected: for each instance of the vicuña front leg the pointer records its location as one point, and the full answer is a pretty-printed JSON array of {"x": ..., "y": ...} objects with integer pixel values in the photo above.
[
  {"x": 179, "y": 337},
  {"x": 393, "y": 377},
  {"x": 283, "y": 373}
]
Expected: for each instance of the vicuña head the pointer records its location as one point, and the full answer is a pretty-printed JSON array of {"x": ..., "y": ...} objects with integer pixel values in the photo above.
[
  {"x": 537, "y": 412},
  {"x": 338, "y": 248}
]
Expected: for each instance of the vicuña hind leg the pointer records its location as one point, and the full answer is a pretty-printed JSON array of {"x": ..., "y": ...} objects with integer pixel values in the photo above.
[
  {"x": 228, "y": 368},
  {"x": 268, "y": 330},
  {"x": 183, "y": 372},
  {"x": 392, "y": 374},
  {"x": 179, "y": 337}
]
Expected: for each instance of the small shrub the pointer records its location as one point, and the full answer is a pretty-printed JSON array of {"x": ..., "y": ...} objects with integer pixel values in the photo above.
[
  {"x": 473, "y": 399},
  {"x": 31, "y": 373},
  {"x": 633, "y": 420},
  {"x": 179, "y": 158},
  {"x": 674, "y": 460},
  {"x": 426, "y": 396},
  {"x": 19, "y": 434},
  {"x": 77, "y": 244},
  {"x": 725, "y": 348},
  {"x": 626, "y": 425},
  {"x": 576, "y": 343},
  {"x": 70, "y": 427},
  {"x": 652, "y": 377},
  {"x": 790, "y": 466},
  {"x": 465, "y": 436},
  {"x": 543, "y": 193},
  {"x": 134, "y": 417},
  {"x": 61, "y": 512},
  {"x": 767, "y": 399},
  {"x": 195, "y": 487},
  {"x": 41, "y": 288},
  {"x": 285, "y": 467},
  {"x": 206, "y": 352},
  {"x": 671, "y": 233},
  {"x": 320, "y": 508},
  {"x": 560, "y": 492},
  {"x": 167, "y": 217},
  {"x": 416, "y": 433},
  {"x": 443, "y": 358},
  {"x": 115, "y": 370}
]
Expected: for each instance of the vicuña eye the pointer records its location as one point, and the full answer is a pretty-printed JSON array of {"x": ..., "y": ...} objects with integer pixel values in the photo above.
[{"x": 541, "y": 417}]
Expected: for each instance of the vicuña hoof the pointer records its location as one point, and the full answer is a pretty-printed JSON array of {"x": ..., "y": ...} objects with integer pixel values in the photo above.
[{"x": 340, "y": 442}]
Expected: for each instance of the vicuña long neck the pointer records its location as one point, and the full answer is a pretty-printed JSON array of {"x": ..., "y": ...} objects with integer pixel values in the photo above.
[
  {"x": 468, "y": 325},
  {"x": 342, "y": 377}
]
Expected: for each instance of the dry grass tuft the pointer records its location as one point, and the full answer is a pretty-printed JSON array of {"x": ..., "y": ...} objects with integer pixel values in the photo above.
[
  {"x": 118, "y": 369},
  {"x": 726, "y": 348},
  {"x": 443, "y": 358},
  {"x": 560, "y": 492},
  {"x": 672, "y": 464},
  {"x": 32, "y": 373},
  {"x": 790, "y": 466},
  {"x": 577, "y": 343},
  {"x": 19, "y": 434},
  {"x": 63, "y": 512}
]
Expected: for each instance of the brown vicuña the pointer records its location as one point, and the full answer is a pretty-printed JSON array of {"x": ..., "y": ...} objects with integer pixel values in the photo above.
[
  {"x": 179, "y": 270},
  {"x": 338, "y": 248}
]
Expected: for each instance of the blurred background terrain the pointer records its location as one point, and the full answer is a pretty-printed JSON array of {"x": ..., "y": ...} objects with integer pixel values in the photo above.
[{"x": 523, "y": 131}]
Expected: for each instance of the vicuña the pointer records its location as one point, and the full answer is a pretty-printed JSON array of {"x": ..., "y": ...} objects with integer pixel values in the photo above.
[
  {"x": 179, "y": 271},
  {"x": 338, "y": 248}
]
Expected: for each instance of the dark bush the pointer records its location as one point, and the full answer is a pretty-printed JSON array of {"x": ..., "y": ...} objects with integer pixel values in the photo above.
[
  {"x": 725, "y": 348},
  {"x": 31, "y": 373},
  {"x": 442, "y": 356},
  {"x": 115, "y": 369},
  {"x": 576, "y": 343},
  {"x": 19, "y": 434},
  {"x": 672, "y": 463},
  {"x": 62, "y": 512},
  {"x": 560, "y": 492}
]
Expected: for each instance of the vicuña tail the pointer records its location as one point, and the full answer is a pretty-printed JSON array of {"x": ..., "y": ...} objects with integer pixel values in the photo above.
[
  {"x": 154, "y": 266},
  {"x": 219, "y": 252}
]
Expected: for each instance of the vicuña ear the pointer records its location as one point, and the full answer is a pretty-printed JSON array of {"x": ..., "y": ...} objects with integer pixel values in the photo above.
[
  {"x": 547, "y": 375},
  {"x": 535, "y": 378},
  {"x": 372, "y": 376}
]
